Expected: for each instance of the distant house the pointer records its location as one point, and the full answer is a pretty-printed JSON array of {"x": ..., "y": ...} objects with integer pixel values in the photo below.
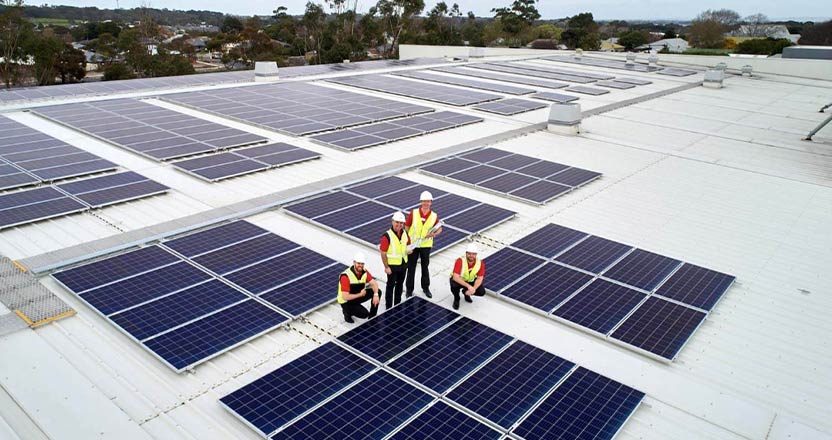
[
  {"x": 611, "y": 45},
  {"x": 763, "y": 31},
  {"x": 198, "y": 44},
  {"x": 94, "y": 60},
  {"x": 672, "y": 45}
]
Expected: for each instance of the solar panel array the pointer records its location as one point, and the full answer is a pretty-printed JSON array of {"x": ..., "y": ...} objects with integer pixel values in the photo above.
[
  {"x": 508, "y": 107},
  {"x": 419, "y": 371},
  {"x": 485, "y": 74},
  {"x": 646, "y": 301},
  {"x": 147, "y": 129},
  {"x": 412, "y": 89},
  {"x": 514, "y": 175},
  {"x": 520, "y": 70},
  {"x": 363, "y": 211},
  {"x": 427, "y": 75},
  {"x": 567, "y": 73},
  {"x": 296, "y": 109},
  {"x": 621, "y": 65},
  {"x": 33, "y": 205},
  {"x": 191, "y": 298},
  {"x": 391, "y": 131},
  {"x": 555, "y": 97},
  {"x": 323, "y": 69},
  {"x": 28, "y": 157},
  {"x": 244, "y": 161}
]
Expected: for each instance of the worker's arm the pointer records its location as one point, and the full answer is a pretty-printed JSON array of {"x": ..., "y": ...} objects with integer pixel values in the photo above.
[
  {"x": 387, "y": 269},
  {"x": 435, "y": 233},
  {"x": 477, "y": 284},
  {"x": 374, "y": 286}
]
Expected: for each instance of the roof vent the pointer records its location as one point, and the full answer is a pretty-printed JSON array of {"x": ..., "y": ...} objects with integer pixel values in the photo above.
[
  {"x": 631, "y": 59},
  {"x": 721, "y": 66},
  {"x": 713, "y": 79},
  {"x": 578, "y": 54},
  {"x": 565, "y": 118},
  {"x": 746, "y": 70},
  {"x": 476, "y": 52},
  {"x": 653, "y": 60},
  {"x": 265, "y": 71}
]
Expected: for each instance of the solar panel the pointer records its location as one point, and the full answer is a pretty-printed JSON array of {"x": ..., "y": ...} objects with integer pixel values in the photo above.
[
  {"x": 587, "y": 90},
  {"x": 507, "y": 265},
  {"x": 369, "y": 410},
  {"x": 508, "y": 107},
  {"x": 600, "y": 305},
  {"x": 324, "y": 204},
  {"x": 245, "y": 253},
  {"x": 371, "y": 232},
  {"x": 547, "y": 286},
  {"x": 171, "y": 311},
  {"x": 501, "y": 77},
  {"x": 508, "y": 182},
  {"x": 445, "y": 167},
  {"x": 132, "y": 291},
  {"x": 676, "y": 72},
  {"x": 574, "y": 177},
  {"x": 229, "y": 170},
  {"x": 91, "y": 275},
  {"x": 413, "y": 89},
  {"x": 697, "y": 286},
  {"x": 479, "y": 173},
  {"x": 274, "y": 272},
  {"x": 394, "y": 331},
  {"x": 659, "y": 327},
  {"x": 440, "y": 422},
  {"x": 427, "y": 75},
  {"x": 34, "y": 212},
  {"x": 201, "y": 340},
  {"x": 555, "y": 97},
  {"x": 480, "y": 218},
  {"x": 605, "y": 63},
  {"x": 409, "y": 198},
  {"x": 514, "y": 162},
  {"x": 201, "y": 242},
  {"x": 585, "y": 406},
  {"x": 380, "y": 187},
  {"x": 511, "y": 384},
  {"x": 634, "y": 81},
  {"x": 275, "y": 399},
  {"x": 22, "y": 198},
  {"x": 448, "y": 238},
  {"x": 548, "y": 68},
  {"x": 448, "y": 356},
  {"x": 240, "y": 162},
  {"x": 124, "y": 193},
  {"x": 594, "y": 254},
  {"x": 355, "y": 215},
  {"x": 15, "y": 180},
  {"x": 520, "y": 70},
  {"x": 615, "y": 85},
  {"x": 307, "y": 293},
  {"x": 642, "y": 269},
  {"x": 549, "y": 240},
  {"x": 103, "y": 182},
  {"x": 485, "y": 155},
  {"x": 451, "y": 204}
]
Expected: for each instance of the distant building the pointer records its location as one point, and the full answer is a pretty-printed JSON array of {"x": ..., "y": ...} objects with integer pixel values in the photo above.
[
  {"x": 672, "y": 45},
  {"x": 611, "y": 45},
  {"x": 763, "y": 31}
]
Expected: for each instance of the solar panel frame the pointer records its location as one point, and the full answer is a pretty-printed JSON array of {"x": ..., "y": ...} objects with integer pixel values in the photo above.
[
  {"x": 652, "y": 269},
  {"x": 685, "y": 286},
  {"x": 559, "y": 282},
  {"x": 501, "y": 77},
  {"x": 480, "y": 218},
  {"x": 586, "y": 90},
  {"x": 599, "y": 306},
  {"x": 111, "y": 269},
  {"x": 521, "y": 70},
  {"x": 417, "y": 90},
  {"x": 507, "y": 266},
  {"x": 659, "y": 328},
  {"x": 196, "y": 243},
  {"x": 550, "y": 240},
  {"x": 594, "y": 254},
  {"x": 23, "y": 215},
  {"x": 440, "y": 421}
]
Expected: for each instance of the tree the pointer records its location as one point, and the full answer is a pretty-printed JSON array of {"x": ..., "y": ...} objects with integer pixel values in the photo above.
[
  {"x": 819, "y": 34},
  {"x": 707, "y": 34},
  {"x": 517, "y": 18},
  {"x": 397, "y": 16},
  {"x": 763, "y": 46},
  {"x": 633, "y": 39},
  {"x": 14, "y": 31},
  {"x": 231, "y": 25},
  {"x": 726, "y": 18},
  {"x": 313, "y": 21},
  {"x": 755, "y": 24},
  {"x": 582, "y": 32},
  {"x": 118, "y": 71},
  {"x": 71, "y": 65}
]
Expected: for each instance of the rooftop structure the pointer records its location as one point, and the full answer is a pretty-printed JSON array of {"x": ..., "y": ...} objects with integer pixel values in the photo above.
[{"x": 159, "y": 311}]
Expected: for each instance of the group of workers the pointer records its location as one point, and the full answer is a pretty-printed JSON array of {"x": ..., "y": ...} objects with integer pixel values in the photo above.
[{"x": 409, "y": 240}]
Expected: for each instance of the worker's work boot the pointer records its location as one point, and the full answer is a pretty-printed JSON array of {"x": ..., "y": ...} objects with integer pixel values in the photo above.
[
  {"x": 427, "y": 293},
  {"x": 468, "y": 299},
  {"x": 348, "y": 318},
  {"x": 456, "y": 303},
  {"x": 408, "y": 294}
]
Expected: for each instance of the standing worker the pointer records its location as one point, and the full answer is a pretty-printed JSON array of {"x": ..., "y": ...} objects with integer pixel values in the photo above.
[
  {"x": 423, "y": 226},
  {"x": 354, "y": 287},
  {"x": 394, "y": 254},
  {"x": 467, "y": 276}
]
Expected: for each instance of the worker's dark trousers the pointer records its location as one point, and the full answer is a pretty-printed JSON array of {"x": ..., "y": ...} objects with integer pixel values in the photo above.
[
  {"x": 355, "y": 308},
  {"x": 424, "y": 255},
  {"x": 456, "y": 288},
  {"x": 395, "y": 284}
]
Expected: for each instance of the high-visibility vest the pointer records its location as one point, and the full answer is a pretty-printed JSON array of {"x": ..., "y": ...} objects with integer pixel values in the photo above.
[
  {"x": 397, "y": 251},
  {"x": 468, "y": 274},
  {"x": 356, "y": 284},
  {"x": 419, "y": 228}
]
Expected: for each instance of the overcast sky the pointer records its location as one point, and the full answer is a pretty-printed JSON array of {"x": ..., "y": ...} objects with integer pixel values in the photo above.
[{"x": 601, "y": 9}]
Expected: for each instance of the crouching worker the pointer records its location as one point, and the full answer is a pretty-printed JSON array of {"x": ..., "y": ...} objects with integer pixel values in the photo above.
[
  {"x": 467, "y": 276},
  {"x": 355, "y": 286}
]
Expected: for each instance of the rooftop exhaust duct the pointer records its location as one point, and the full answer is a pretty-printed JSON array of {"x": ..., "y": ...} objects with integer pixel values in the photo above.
[
  {"x": 631, "y": 59},
  {"x": 713, "y": 79},
  {"x": 565, "y": 118},
  {"x": 721, "y": 66},
  {"x": 476, "y": 52},
  {"x": 265, "y": 71},
  {"x": 578, "y": 54},
  {"x": 653, "y": 60},
  {"x": 746, "y": 70}
]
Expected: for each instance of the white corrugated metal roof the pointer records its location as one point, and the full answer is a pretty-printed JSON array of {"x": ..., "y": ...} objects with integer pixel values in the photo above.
[{"x": 713, "y": 177}]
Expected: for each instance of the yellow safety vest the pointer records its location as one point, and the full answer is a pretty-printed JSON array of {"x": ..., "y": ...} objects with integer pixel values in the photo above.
[
  {"x": 397, "y": 251},
  {"x": 357, "y": 284},
  {"x": 468, "y": 274},
  {"x": 420, "y": 228}
]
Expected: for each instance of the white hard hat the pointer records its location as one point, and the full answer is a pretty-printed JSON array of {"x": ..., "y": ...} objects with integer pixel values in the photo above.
[
  {"x": 471, "y": 248},
  {"x": 359, "y": 257},
  {"x": 398, "y": 217},
  {"x": 426, "y": 195}
]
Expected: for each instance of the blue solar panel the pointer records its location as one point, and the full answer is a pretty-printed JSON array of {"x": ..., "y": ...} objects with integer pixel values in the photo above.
[
  {"x": 506, "y": 266},
  {"x": 541, "y": 191},
  {"x": 31, "y": 196},
  {"x": 369, "y": 410},
  {"x": 145, "y": 287},
  {"x": 380, "y": 187},
  {"x": 452, "y": 204},
  {"x": 124, "y": 193},
  {"x": 549, "y": 240},
  {"x": 210, "y": 336},
  {"x": 165, "y": 313},
  {"x": 508, "y": 182},
  {"x": 408, "y": 198},
  {"x": 542, "y": 169},
  {"x": 451, "y": 354},
  {"x": 448, "y": 238},
  {"x": 278, "y": 397},
  {"x": 697, "y": 286},
  {"x": 594, "y": 254},
  {"x": 324, "y": 204},
  {"x": 477, "y": 174},
  {"x": 355, "y": 215},
  {"x": 642, "y": 269},
  {"x": 586, "y": 406},
  {"x": 574, "y": 177},
  {"x": 371, "y": 232},
  {"x": 480, "y": 218},
  {"x": 394, "y": 331},
  {"x": 307, "y": 293},
  {"x": 600, "y": 306},
  {"x": 103, "y": 182},
  {"x": 205, "y": 241},
  {"x": 514, "y": 162},
  {"x": 440, "y": 422},
  {"x": 660, "y": 327},
  {"x": 39, "y": 211},
  {"x": 508, "y": 386},
  {"x": 547, "y": 287},
  {"x": 271, "y": 273},
  {"x": 90, "y": 275},
  {"x": 244, "y": 253},
  {"x": 449, "y": 166},
  {"x": 485, "y": 155}
]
